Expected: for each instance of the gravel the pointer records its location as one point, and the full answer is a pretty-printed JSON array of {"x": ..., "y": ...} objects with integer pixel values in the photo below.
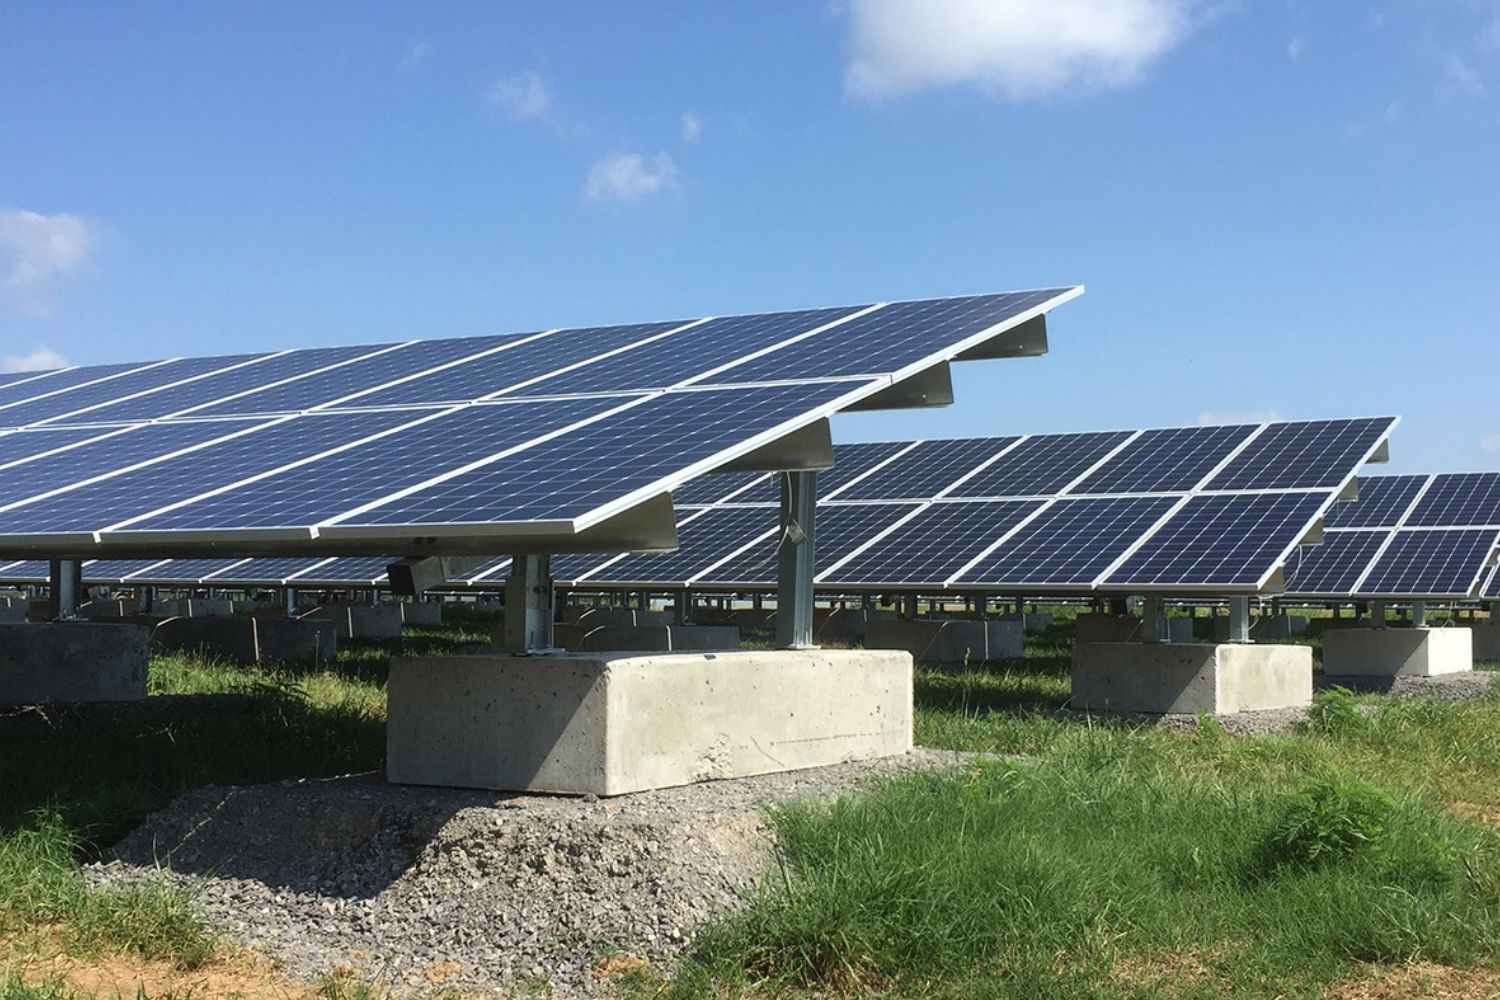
[{"x": 418, "y": 887}]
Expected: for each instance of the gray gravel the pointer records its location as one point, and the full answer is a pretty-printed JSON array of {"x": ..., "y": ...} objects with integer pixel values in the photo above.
[{"x": 418, "y": 886}]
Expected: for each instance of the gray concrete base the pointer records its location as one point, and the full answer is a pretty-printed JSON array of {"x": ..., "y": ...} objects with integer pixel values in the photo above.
[
  {"x": 1396, "y": 652},
  {"x": 1269, "y": 627},
  {"x": 12, "y": 611},
  {"x": 844, "y": 626},
  {"x": 72, "y": 662},
  {"x": 1161, "y": 678},
  {"x": 361, "y": 621},
  {"x": 609, "y": 724},
  {"x": 1486, "y": 642},
  {"x": 1034, "y": 623},
  {"x": 613, "y": 617},
  {"x": 109, "y": 608},
  {"x": 250, "y": 640},
  {"x": 193, "y": 607},
  {"x": 421, "y": 612},
  {"x": 1091, "y": 628},
  {"x": 640, "y": 638},
  {"x": 950, "y": 643}
]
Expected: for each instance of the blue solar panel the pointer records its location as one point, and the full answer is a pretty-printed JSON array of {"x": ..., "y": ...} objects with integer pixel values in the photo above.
[
  {"x": 263, "y": 571},
  {"x": 341, "y": 482},
  {"x": 1432, "y": 563},
  {"x": 1167, "y": 460},
  {"x": 1492, "y": 588},
  {"x": 1315, "y": 453},
  {"x": 117, "y": 498},
  {"x": 926, "y": 470},
  {"x": 1041, "y": 465},
  {"x": 702, "y": 541},
  {"x": 1071, "y": 543},
  {"x": 143, "y": 443},
  {"x": 849, "y": 462},
  {"x": 1231, "y": 541},
  {"x": 890, "y": 338},
  {"x": 684, "y": 355},
  {"x": 840, "y": 529},
  {"x": 54, "y": 382},
  {"x": 75, "y": 403},
  {"x": 934, "y": 545},
  {"x": 1334, "y": 566},
  {"x": 114, "y": 570},
  {"x": 16, "y": 446},
  {"x": 361, "y": 570},
  {"x": 1460, "y": 500},
  {"x": 188, "y": 571},
  {"x": 1383, "y": 500},
  {"x": 493, "y": 372},
  {"x": 165, "y": 401},
  {"x": 10, "y": 378},
  {"x": 31, "y": 571},
  {"x": 712, "y": 488}
]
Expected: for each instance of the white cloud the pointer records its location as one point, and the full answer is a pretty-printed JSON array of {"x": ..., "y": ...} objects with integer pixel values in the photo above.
[
  {"x": 1394, "y": 112},
  {"x": 414, "y": 56},
  {"x": 524, "y": 96},
  {"x": 1015, "y": 49},
  {"x": 1296, "y": 47},
  {"x": 1459, "y": 78},
  {"x": 1490, "y": 444},
  {"x": 692, "y": 127},
  {"x": 42, "y": 359},
  {"x": 1260, "y": 416},
  {"x": 629, "y": 177},
  {"x": 35, "y": 249},
  {"x": 1489, "y": 37}
]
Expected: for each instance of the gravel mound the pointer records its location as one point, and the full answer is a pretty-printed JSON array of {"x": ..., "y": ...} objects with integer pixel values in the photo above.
[{"x": 419, "y": 887}]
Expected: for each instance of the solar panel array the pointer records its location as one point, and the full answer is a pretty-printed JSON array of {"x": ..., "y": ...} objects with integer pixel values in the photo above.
[
  {"x": 1414, "y": 537},
  {"x": 483, "y": 437}
]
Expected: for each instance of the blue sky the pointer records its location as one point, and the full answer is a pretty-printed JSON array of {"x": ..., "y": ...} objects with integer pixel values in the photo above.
[{"x": 1279, "y": 208}]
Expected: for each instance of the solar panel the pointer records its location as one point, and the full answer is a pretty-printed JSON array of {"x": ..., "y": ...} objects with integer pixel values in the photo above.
[
  {"x": 80, "y": 401},
  {"x": 1307, "y": 454},
  {"x": 1167, "y": 460},
  {"x": 840, "y": 529},
  {"x": 927, "y": 469},
  {"x": 56, "y": 383},
  {"x": 1459, "y": 500},
  {"x": 1492, "y": 587},
  {"x": 18, "y": 446},
  {"x": 1440, "y": 562},
  {"x": 1072, "y": 543},
  {"x": 1041, "y": 465},
  {"x": 933, "y": 545},
  {"x": 1221, "y": 541},
  {"x": 1333, "y": 567},
  {"x": 704, "y": 539},
  {"x": 1382, "y": 503}
]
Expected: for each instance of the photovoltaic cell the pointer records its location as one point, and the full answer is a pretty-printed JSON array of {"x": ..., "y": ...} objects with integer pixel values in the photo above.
[
  {"x": 17, "y": 446},
  {"x": 1334, "y": 566},
  {"x": 888, "y": 339},
  {"x": 578, "y": 471},
  {"x": 925, "y": 470},
  {"x": 75, "y": 402},
  {"x": 1306, "y": 454},
  {"x": 840, "y": 529},
  {"x": 1071, "y": 543},
  {"x": 1460, "y": 500},
  {"x": 31, "y": 571},
  {"x": 1492, "y": 588},
  {"x": 717, "y": 486},
  {"x": 1383, "y": 500},
  {"x": 494, "y": 372},
  {"x": 1221, "y": 541},
  {"x": 114, "y": 570},
  {"x": 132, "y": 494},
  {"x": 701, "y": 542},
  {"x": 1436, "y": 563},
  {"x": 17, "y": 392},
  {"x": 850, "y": 461},
  {"x": 1167, "y": 460},
  {"x": 360, "y": 570},
  {"x": 190, "y": 571},
  {"x": 338, "y": 483},
  {"x": 684, "y": 355},
  {"x": 1041, "y": 465},
  {"x": 935, "y": 544}
]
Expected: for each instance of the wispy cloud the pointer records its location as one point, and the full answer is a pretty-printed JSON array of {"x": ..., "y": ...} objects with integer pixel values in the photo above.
[
  {"x": 524, "y": 96},
  {"x": 1252, "y": 416},
  {"x": 692, "y": 127},
  {"x": 42, "y": 359},
  {"x": 630, "y": 177},
  {"x": 36, "y": 249},
  {"x": 1460, "y": 79},
  {"x": 1016, "y": 49},
  {"x": 1490, "y": 444},
  {"x": 1489, "y": 35},
  {"x": 415, "y": 55},
  {"x": 1296, "y": 47}
]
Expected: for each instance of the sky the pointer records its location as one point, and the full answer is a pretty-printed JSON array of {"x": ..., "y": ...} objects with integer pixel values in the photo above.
[{"x": 1280, "y": 209}]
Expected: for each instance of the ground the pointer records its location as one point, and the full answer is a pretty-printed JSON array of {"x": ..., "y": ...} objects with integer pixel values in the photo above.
[{"x": 1355, "y": 856}]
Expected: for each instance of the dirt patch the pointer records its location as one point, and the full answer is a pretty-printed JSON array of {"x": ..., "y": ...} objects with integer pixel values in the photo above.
[
  {"x": 1425, "y": 980},
  {"x": 39, "y": 958}
]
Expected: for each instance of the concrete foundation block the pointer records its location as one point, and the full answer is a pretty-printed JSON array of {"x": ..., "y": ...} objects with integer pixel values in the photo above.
[
  {"x": 1091, "y": 628},
  {"x": 620, "y": 617},
  {"x": 609, "y": 724},
  {"x": 72, "y": 662},
  {"x": 12, "y": 612},
  {"x": 1161, "y": 678},
  {"x": 250, "y": 640},
  {"x": 361, "y": 621},
  {"x": 1393, "y": 652},
  {"x": 1269, "y": 627},
  {"x": 193, "y": 607},
  {"x": 421, "y": 612},
  {"x": 641, "y": 638},
  {"x": 1034, "y": 623},
  {"x": 839, "y": 625},
  {"x": 950, "y": 643},
  {"x": 750, "y": 618},
  {"x": 1486, "y": 642},
  {"x": 109, "y": 608}
]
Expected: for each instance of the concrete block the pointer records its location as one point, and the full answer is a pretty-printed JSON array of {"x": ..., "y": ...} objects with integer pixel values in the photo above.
[
  {"x": 949, "y": 642},
  {"x": 839, "y": 625},
  {"x": 1486, "y": 642},
  {"x": 361, "y": 621},
  {"x": 750, "y": 618},
  {"x": 193, "y": 607},
  {"x": 421, "y": 612},
  {"x": 12, "y": 612},
  {"x": 1034, "y": 623},
  {"x": 641, "y": 638},
  {"x": 109, "y": 608},
  {"x": 257, "y": 607},
  {"x": 609, "y": 724},
  {"x": 1160, "y": 678},
  {"x": 72, "y": 662},
  {"x": 1090, "y": 628},
  {"x": 621, "y": 617},
  {"x": 250, "y": 640},
  {"x": 1266, "y": 628},
  {"x": 1393, "y": 652}
]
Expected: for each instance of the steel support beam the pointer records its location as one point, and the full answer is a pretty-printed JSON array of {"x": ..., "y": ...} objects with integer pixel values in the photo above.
[
  {"x": 528, "y": 605},
  {"x": 1153, "y": 619},
  {"x": 66, "y": 578},
  {"x": 1418, "y": 614},
  {"x": 1377, "y": 614},
  {"x": 1239, "y": 619},
  {"x": 794, "y": 558}
]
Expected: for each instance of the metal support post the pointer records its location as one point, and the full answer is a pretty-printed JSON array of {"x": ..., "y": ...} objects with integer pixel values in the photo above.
[
  {"x": 1239, "y": 619},
  {"x": 1377, "y": 614},
  {"x": 290, "y": 597},
  {"x": 758, "y": 601},
  {"x": 795, "y": 567},
  {"x": 1494, "y": 612},
  {"x": 148, "y": 599},
  {"x": 910, "y": 609},
  {"x": 982, "y": 606},
  {"x": 528, "y": 605},
  {"x": 682, "y": 609},
  {"x": 1153, "y": 619},
  {"x": 1418, "y": 614},
  {"x": 66, "y": 578}
]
